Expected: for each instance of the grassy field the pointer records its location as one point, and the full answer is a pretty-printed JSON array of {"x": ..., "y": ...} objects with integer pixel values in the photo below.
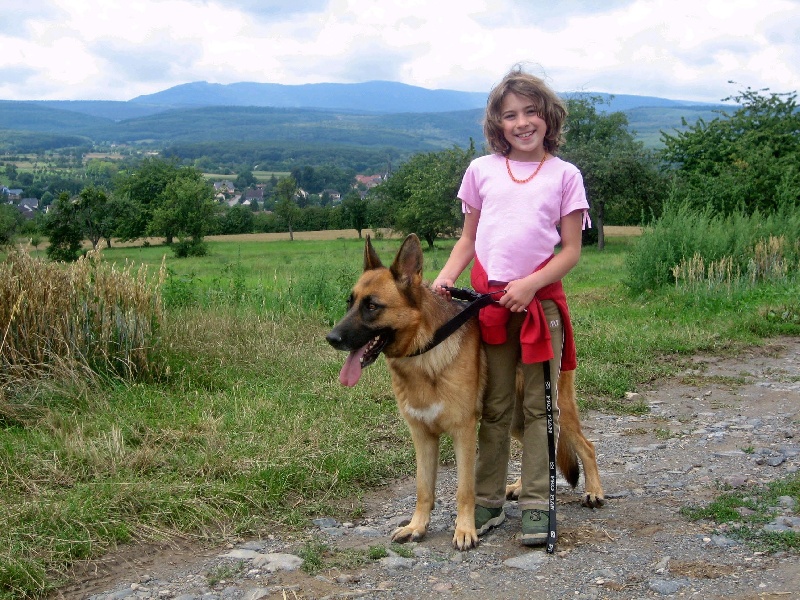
[{"x": 247, "y": 429}]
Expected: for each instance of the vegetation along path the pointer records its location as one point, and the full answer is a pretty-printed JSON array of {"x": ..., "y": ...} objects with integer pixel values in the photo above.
[{"x": 702, "y": 489}]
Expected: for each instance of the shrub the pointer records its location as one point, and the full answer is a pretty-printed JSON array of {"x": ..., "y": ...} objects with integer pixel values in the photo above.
[{"x": 189, "y": 247}]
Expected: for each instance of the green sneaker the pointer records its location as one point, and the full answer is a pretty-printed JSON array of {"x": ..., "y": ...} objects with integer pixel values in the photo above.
[
  {"x": 486, "y": 518},
  {"x": 535, "y": 527}
]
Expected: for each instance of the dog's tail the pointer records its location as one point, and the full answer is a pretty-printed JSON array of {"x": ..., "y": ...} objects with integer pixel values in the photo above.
[
  {"x": 567, "y": 460},
  {"x": 571, "y": 441},
  {"x": 569, "y": 429}
]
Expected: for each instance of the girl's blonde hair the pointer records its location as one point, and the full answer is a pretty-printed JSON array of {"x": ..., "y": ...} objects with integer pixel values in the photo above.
[{"x": 548, "y": 105}]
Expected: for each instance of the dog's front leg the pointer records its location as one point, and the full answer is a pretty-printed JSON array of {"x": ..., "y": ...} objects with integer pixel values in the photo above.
[
  {"x": 465, "y": 536},
  {"x": 426, "y": 447}
]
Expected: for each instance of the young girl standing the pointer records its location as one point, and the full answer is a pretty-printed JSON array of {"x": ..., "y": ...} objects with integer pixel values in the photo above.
[{"x": 519, "y": 203}]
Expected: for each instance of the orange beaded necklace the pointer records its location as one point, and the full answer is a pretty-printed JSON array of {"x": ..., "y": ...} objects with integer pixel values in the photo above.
[{"x": 515, "y": 180}]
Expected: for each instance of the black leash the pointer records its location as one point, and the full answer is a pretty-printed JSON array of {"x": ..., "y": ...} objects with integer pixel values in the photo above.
[
  {"x": 551, "y": 451},
  {"x": 476, "y": 302}
]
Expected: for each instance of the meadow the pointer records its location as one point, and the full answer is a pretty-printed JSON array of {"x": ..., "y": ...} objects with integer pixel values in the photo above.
[{"x": 240, "y": 427}]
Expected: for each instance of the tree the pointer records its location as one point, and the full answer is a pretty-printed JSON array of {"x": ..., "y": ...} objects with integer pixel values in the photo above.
[
  {"x": 140, "y": 192},
  {"x": 101, "y": 172},
  {"x": 11, "y": 172},
  {"x": 286, "y": 207},
  {"x": 237, "y": 219},
  {"x": 421, "y": 193},
  {"x": 186, "y": 208},
  {"x": 46, "y": 199},
  {"x": 621, "y": 178},
  {"x": 741, "y": 161},
  {"x": 245, "y": 179},
  {"x": 64, "y": 228},
  {"x": 95, "y": 213},
  {"x": 355, "y": 209},
  {"x": 315, "y": 180},
  {"x": 10, "y": 220}
]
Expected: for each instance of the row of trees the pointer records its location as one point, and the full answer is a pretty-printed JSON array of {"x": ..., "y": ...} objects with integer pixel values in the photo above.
[{"x": 159, "y": 198}]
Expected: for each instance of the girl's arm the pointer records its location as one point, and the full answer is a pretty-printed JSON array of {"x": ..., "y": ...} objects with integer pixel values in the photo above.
[
  {"x": 519, "y": 293},
  {"x": 461, "y": 254}
]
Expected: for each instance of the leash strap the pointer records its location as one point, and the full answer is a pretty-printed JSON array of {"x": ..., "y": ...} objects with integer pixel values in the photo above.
[
  {"x": 476, "y": 302},
  {"x": 551, "y": 451}
]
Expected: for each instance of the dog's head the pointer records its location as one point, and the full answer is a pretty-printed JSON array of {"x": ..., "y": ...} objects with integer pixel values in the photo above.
[{"x": 383, "y": 310}]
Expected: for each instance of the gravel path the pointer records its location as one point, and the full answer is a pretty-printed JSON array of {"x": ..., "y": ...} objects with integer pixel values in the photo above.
[{"x": 725, "y": 422}]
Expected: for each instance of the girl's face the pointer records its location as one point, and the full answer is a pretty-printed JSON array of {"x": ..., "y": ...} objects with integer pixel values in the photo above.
[{"x": 523, "y": 128}]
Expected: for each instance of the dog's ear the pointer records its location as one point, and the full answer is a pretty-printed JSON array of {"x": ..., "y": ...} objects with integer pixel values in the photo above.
[
  {"x": 407, "y": 265},
  {"x": 371, "y": 260}
]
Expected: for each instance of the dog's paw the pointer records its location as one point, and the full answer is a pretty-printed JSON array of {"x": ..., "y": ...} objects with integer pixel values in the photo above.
[
  {"x": 513, "y": 490},
  {"x": 401, "y": 535},
  {"x": 593, "y": 500},
  {"x": 465, "y": 539}
]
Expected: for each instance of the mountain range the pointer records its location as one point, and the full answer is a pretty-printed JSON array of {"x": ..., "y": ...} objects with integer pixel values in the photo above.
[{"x": 371, "y": 113}]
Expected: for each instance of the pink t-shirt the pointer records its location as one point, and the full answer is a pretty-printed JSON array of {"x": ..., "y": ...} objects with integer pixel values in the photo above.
[{"x": 517, "y": 228}]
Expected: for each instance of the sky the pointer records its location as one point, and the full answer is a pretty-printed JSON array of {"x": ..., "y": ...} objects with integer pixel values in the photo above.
[{"x": 679, "y": 49}]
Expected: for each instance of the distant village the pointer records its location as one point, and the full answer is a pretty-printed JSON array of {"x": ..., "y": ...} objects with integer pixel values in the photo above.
[
  {"x": 15, "y": 196},
  {"x": 224, "y": 192}
]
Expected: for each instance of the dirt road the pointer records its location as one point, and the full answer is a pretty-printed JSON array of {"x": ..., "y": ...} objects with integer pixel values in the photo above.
[{"x": 724, "y": 423}]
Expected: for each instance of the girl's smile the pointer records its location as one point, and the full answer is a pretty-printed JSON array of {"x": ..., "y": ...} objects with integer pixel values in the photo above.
[{"x": 523, "y": 128}]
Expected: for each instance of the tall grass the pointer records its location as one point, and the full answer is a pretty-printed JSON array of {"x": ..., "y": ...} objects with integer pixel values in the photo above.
[
  {"x": 770, "y": 260},
  {"x": 730, "y": 250},
  {"x": 86, "y": 317}
]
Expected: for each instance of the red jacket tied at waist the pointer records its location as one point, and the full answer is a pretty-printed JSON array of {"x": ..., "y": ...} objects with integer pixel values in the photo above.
[{"x": 535, "y": 333}]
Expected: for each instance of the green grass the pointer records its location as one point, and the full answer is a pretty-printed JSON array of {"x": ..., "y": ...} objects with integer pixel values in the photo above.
[
  {"x": 249, "y": 429},
  {"x": 318, "y": 557},
  {"x": 742, "y": 514}
]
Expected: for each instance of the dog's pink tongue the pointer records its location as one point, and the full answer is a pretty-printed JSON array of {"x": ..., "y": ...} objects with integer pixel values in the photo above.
[{"x": 351, "y": 371}]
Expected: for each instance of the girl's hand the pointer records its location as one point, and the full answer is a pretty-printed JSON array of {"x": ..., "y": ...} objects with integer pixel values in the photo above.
[
  {"x": 519, "y": 294},
  {"x": 439, "y": 284}
]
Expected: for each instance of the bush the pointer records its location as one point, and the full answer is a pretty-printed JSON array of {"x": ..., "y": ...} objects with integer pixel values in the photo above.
[{"x": 189, "y": 247}]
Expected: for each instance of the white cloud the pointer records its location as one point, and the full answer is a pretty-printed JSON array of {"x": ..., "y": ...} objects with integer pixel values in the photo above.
[{"x": 95, "y": 49}]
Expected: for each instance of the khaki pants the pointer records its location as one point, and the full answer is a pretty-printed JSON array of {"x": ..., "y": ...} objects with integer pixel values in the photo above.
[{"x": 494, "y": 434}]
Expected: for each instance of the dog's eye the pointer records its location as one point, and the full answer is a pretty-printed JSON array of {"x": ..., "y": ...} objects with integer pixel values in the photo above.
[
  {"x": 370, "y": 305},
  {"x": 350, "y": 301}
]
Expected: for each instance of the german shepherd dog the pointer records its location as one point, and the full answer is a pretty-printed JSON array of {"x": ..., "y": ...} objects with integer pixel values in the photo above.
[{"x": 440, "y": 391}]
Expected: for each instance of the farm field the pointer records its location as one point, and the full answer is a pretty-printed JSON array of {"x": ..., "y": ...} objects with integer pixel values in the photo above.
[{"x": 261, "y": 176}]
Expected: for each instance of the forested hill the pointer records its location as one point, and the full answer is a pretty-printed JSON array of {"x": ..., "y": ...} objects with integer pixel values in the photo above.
[
  {"x": 408, "y": 132},
  {"x": 405, "y": 118},
  {"x": 371, "y": 96}
]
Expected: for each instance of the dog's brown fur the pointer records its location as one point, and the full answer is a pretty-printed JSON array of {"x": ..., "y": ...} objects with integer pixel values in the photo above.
[{"x": 441, "y": 390}]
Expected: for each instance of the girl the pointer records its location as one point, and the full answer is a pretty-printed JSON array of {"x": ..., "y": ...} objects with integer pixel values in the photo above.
[{"x": 519, "y": 203}]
